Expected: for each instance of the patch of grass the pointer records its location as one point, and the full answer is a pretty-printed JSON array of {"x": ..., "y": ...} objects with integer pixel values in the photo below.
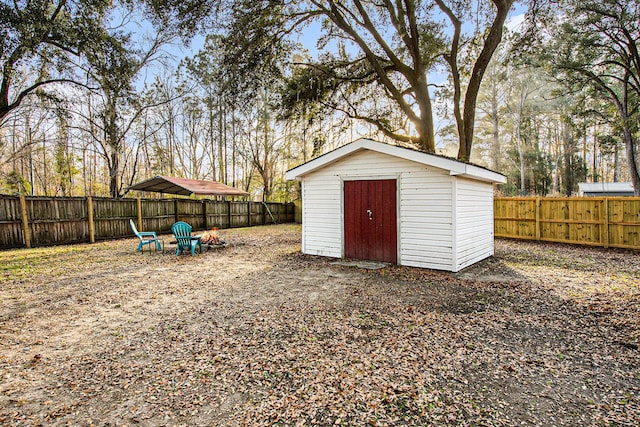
[
  {"x": 23, "y": 263},
  {"x": 20, "y": 264}
]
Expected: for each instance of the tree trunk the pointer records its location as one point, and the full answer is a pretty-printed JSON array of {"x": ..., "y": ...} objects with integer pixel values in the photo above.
[
  {"x": 471, "y": 97},
  {"x": 212, "y": 138},
  {"x": 616, "y": 157},
  {"x": 629, "y": 143},
  {"x": 496, "y": 152},
  {"x": 233, "y": 148},
  {"x": 425, "y": 127},
  {"x": 221, "y": 165},
  {"x": 594, "y": 176},
  {"x": 113, "y": 175},
  {"x": 426, "y": 140},
  {"x": 523, "y": 181},
  {"x": 622, "y": 105},
  {"x": 567, "y": 149},
  {"x": 111, "y": 137},
  {"x": 522, "y": 99}
]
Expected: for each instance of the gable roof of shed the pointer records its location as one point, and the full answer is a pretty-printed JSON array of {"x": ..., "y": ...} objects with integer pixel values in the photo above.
[{"x": 454, "y": 167}]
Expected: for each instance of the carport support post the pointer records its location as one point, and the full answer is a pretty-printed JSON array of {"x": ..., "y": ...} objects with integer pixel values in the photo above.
[
  {"x": 92, "y": 226},
  {"x": 25, "y": 222}
]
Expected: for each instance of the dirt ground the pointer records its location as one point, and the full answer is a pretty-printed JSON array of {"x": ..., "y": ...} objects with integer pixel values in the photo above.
[{"x": 259, "y": 334}]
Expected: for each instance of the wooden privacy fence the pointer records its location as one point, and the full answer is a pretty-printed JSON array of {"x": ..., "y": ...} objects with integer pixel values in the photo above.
[
  {"x": 598, "y": 221},
  {"x": 41, "y": 221}
]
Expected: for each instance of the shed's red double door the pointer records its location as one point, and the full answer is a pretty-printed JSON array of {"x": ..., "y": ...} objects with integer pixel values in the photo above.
[{"x": 370, "y": 230}]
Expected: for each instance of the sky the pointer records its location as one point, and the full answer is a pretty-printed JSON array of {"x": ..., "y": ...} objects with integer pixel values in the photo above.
[{"x": 308, "y": 38}]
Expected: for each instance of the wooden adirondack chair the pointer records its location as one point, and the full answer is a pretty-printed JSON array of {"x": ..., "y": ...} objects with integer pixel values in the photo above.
[
  {"x": 146, "y": 237},
  {"x": 182, "y": 232}
]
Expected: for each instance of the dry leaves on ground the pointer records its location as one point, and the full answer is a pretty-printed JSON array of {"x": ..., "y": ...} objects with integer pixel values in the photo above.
[{"x": 259, "y": 334}]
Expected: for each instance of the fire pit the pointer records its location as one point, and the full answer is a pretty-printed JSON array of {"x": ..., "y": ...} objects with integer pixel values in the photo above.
[{"x": 210, "y": 239}]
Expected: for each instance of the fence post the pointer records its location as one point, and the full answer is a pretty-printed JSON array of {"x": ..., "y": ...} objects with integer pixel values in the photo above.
[
  {"x": 139, "y": 213},
  {"x": 229, "y": 213},
  {"x": 25, "y": 221},
  {"x": 204, "y": 215},
  {"x": 248, "y": 214},
  {"x": 606, "y": 223},
  {"x": 92, "y": 226},
  {"x": 264, "y": 213},
  {"x": 175, "y": 210},
  {"x": 537, "y": 218}
]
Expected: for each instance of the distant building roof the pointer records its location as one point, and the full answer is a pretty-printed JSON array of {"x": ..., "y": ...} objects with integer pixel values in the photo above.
[{"x": 606, "y": 188}]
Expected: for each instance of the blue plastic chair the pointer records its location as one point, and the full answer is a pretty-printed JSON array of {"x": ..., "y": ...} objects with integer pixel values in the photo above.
[
  {"x": 146, "y": 237},
  {"x": 182, "y": 232}
]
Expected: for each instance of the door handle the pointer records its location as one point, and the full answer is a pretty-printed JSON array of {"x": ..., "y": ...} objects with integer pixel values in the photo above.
[{"x": 370, "y": 214}]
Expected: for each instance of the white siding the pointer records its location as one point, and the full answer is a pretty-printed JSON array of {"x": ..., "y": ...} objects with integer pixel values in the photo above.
[
  {"x": 426, "y": 218},
  {"x": 321, "y": 218},
  {"x": 424, "y": 208},
  {"x": 474, "y": 222}
]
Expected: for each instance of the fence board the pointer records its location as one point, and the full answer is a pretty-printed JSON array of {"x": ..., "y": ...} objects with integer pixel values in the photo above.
[
  {"x": 238, "y": 214},
  {"x": 58, "y": 220},
  {"x": 190, "y": 211},
  {"x": 158, "y": 214},
  {"x": 276, "y": 213},
  {"x": 217, "y": 214},
  {"x": 255, "y": 213},
  {"x": 11, "y": 235},
  {"x": 111, "y": 217},
  {"x": 518, "y": 217},
  {"x": 599, "y": 221}
]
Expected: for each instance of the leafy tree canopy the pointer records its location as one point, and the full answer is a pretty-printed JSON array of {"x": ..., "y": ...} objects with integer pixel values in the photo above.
[
  {"x": 594, "y": 44},
  {"x": 42, "y": 36},
  {"x": 385, "y": 50}
]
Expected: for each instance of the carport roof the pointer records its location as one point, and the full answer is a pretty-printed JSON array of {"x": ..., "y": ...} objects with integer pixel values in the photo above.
[{"x": 186, "y": 187}]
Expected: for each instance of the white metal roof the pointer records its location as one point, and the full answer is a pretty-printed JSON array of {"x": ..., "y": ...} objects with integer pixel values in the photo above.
[
  {"x": 605, "y": 187},
  {"x": 454, "y": 167}
]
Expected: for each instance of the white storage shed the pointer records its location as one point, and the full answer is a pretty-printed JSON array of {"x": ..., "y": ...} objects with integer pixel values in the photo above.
[{"x": 374, "y": 201}]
